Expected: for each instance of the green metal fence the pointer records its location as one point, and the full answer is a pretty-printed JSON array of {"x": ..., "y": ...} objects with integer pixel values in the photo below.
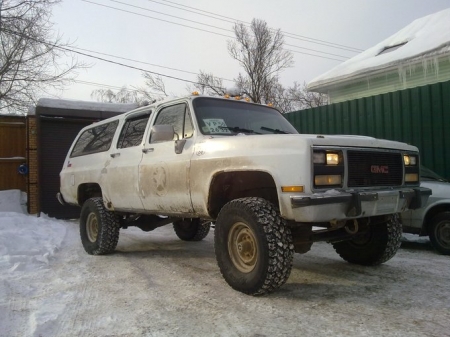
[{"x": 418, "y": 116}]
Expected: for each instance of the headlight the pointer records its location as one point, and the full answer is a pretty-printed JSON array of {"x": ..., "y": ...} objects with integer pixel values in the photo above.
[
  {"x": 410, "y": 160},
  {"x": 329, "y": 158},
  {"x": 319, "y": 157},
  {"x": 332, "y": 159}
]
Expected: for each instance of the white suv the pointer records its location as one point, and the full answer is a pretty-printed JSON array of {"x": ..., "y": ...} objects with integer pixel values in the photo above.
[{"x": 198, "y": 159}]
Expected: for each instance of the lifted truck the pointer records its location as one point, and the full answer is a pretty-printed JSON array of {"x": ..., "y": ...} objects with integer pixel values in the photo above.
[{"x": 270, "y": 191}]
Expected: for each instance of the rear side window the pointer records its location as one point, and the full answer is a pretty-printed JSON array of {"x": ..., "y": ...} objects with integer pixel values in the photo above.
[
  {"x": 96, "y": 139},
  {"x": 132, "y": 132}
]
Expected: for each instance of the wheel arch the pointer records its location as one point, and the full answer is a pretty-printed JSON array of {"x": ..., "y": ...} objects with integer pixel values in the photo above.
[
  {"x": 430, "y": 214},
  {"x": 88, "y": 190},
  {"x": 229, "y": 185}
]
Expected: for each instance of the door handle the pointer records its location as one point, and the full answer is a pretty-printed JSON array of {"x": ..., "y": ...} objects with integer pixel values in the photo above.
[
  {"x": 114, "y": 155},
  {"x": 150, "y": 149}
]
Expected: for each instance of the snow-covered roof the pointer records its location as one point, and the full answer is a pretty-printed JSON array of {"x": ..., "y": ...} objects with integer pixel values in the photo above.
[
  {"x": 86, "y": 105},
  {"x": 424, "y": 38}
]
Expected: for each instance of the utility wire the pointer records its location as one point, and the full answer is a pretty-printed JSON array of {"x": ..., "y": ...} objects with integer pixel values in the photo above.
[
  {"x": 99, "y": 58},
  {"x": 233, "y": 20},
  {"x": 204, "y": 30},
  {"x": 108, "y": 86},
  {"x": 142, "y": 62},
  {"x": 216, "y": 27}
]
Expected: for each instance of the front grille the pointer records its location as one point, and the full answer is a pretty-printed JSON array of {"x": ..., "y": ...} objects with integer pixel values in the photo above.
[{"x": 372, "y": 168}]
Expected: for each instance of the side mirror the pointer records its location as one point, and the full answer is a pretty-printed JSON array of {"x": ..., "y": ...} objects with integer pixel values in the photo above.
[{"x": 162, "y": 133}]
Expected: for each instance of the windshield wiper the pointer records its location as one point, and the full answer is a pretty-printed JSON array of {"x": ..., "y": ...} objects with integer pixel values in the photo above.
[
  {"x": 274, "y": 130},
  {"x": 238, "y": 129}
]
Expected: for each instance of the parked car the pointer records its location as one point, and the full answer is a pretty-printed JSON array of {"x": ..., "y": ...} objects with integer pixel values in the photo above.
[{"x": 433, "y": 219}]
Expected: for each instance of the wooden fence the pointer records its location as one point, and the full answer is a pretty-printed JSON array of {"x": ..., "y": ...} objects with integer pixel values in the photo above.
[{"x": 12, "y": 152}]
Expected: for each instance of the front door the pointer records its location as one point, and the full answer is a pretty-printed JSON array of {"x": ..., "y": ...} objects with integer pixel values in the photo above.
[{"x": 163, "y": 173}]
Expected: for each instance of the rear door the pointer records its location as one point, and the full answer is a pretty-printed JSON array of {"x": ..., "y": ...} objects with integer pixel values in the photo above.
[
  {"x": 164, "y": 174},
  {"x": 122, "y": 168}
]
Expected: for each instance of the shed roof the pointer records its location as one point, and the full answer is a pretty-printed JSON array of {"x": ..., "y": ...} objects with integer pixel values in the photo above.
[{"x": 425, "y": 38}]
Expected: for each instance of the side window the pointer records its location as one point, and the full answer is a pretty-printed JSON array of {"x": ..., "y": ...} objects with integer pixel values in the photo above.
[
  {"x": 177, "y": 116},
  {"x": 132, "y": 131},
  {"x": 96, "y": 139}
]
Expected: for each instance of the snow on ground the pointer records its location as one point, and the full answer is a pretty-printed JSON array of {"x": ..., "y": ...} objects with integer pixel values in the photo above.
[{"x": 156, "y": 285}]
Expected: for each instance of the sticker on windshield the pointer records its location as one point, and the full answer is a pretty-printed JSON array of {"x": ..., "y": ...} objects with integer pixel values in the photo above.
[{"x": 216, "y": 125}]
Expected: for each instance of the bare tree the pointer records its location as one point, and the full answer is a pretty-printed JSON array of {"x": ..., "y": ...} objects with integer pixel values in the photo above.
[
  {"x": 155, "y": 83},
  {"x": 210, "y": 85},
  {"x": 30, "y": 55},
  {"x": 304, "y": 99},
  {"x": 259, "y": 51},
  {"x": 109, "y": 96}
]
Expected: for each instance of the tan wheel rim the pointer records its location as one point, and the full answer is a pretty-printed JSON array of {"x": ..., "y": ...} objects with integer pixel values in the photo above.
[
  {"x": 92, "y": 227},
  {"x": 242, "y": 247}
]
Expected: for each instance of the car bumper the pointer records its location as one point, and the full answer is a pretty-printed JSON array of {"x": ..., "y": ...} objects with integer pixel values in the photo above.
[{"x": 336, "y": 205}]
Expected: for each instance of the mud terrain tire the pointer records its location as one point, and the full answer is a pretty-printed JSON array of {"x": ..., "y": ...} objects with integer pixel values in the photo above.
[
  {"x": 439, "y": 232},
  {"x": 99, "y": 228},
  {"x": 191, "y": 229},
  {"x": 379, "y": 244},
  {"x": 253, "y": 246}
]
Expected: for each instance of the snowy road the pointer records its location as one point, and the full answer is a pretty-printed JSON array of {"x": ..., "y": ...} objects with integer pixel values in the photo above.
[{"x": 157, "y": 285}]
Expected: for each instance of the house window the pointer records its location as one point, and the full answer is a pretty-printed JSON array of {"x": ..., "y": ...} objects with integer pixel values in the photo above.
[{"x": 391, "y": 48}]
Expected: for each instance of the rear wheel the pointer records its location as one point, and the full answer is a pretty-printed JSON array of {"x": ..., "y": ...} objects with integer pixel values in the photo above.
[
  {"x": 378, "y": 244},
  {"x": 253, "y": 246},
  {"x": 191, "y": 229},
  {"x": 99, "y": 228},
  {"x": 439, "y": 232}
]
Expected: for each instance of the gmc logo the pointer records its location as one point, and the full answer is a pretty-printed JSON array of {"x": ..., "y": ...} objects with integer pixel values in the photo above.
[{"x": 379, "y": 169}]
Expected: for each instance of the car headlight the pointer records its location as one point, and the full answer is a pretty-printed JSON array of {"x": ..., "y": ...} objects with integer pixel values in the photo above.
[{"x": 410, "y": 160}]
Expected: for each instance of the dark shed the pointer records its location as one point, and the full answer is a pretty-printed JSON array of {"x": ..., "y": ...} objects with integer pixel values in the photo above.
[{"x": 57, "y": 122}]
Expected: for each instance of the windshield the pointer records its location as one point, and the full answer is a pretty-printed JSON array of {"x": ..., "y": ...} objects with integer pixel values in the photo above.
[
  {"x": 228, "y": 118},
  {"x": 427, "y": 174}
]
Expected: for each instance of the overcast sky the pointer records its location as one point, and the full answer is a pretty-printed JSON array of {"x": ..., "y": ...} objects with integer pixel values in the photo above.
[{"x": 192, "y": 35}]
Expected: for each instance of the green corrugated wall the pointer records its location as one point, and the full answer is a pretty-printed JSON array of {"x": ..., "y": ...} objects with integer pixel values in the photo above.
[{"x": 418, "y": 116}]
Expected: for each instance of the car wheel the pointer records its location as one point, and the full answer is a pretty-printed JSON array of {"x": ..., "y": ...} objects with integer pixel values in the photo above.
[
  {"x": 99, "y": 228},
  {"x": 439, "y": 232},
  {"x": 378, "y": 244},
  {"x": 191, "y": 229},
  {"x": 253, "y": 246}
]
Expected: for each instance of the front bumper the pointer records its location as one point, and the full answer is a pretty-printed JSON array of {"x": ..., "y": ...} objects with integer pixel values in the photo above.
[{"x": 336, "y": 205}]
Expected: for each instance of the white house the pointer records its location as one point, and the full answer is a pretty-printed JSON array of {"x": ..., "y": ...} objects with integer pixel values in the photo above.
[{"x": 417, "y": 55}]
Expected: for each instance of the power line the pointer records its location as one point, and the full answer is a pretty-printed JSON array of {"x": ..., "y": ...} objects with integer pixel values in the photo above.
[
  {"x": 108, "y": 86},
  {"x": 216, "y": 27},
  {"x": 233, "y": 20},
  {"x": 99, "y": 58},
  {"x": 147, "y": 63},
  {"x": 208, "y": 31}
]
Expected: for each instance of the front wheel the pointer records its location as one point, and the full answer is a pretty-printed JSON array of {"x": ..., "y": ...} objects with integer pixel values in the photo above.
[
  {"x": 253, "y": 246},
  {"x": 99, "y": 228},
  {"x": 191, "y": 229},
  {"x": 376, "y": 245},
  {"x": 439, "y": 232}
]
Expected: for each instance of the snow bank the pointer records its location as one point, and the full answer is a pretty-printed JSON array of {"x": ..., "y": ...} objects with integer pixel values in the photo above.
[
  {"x": 13, "y": 201},
  {"x": 26, "y": 242}
]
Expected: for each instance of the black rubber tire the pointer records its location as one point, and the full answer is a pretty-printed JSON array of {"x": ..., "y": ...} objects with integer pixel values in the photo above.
[
  {"x": 107, "y": 228},
  {"x": 378, "y": 245},
  {"x": 439, "y": 232},
  {"x": 191, "y": 229},
  {"x": 271, "y": 245}
]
